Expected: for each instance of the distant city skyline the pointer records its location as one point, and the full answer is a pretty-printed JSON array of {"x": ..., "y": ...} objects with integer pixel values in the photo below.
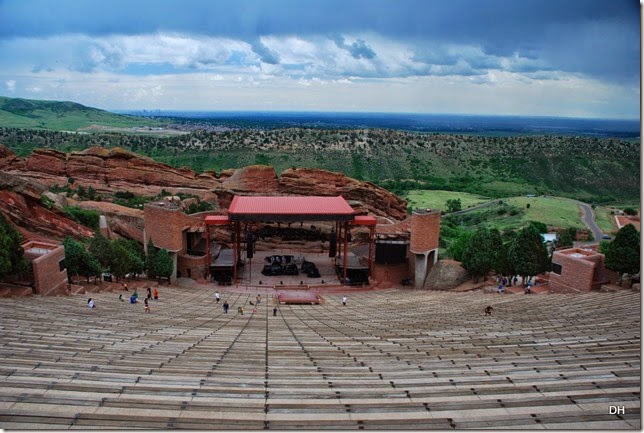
[{"x": 568, "y": 58}]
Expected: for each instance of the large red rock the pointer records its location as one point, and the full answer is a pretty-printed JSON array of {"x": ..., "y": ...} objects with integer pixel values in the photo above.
[
  {"x": 25, "y": 212},
  {"x": 371, "y": 198},
  {"x": 255, "y": 179}
]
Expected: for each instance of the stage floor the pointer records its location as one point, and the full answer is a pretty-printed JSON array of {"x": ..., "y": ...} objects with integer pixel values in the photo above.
[{"x": 251, "y": 273}]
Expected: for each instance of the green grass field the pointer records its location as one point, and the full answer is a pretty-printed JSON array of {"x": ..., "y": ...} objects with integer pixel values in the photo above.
[
  {"x": 512, "y": 212},
  {"x": 436, "y": 199},
  {"x": 552, "y": 211}
]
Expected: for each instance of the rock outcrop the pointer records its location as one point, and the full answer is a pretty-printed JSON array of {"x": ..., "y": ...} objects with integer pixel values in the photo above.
[
  {"x": 107, "y": 171},
  {"x": 20, "y": 201},
  {"x": 445, "y": 275},
  {"x": 25, "y": 180},
  {"x": 372, "y": 199}
]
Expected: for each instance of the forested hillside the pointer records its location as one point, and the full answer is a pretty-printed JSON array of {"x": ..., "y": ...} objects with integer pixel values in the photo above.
[{"x": 591, "y": 169}]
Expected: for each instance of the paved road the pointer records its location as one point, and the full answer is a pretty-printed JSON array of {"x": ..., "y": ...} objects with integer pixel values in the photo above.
[{"x": 589, "y": 219}]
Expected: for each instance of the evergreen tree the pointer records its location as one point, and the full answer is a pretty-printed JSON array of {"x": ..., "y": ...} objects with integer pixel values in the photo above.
[
  {"x": 99, "y": 247},
  {"x": 150, "y": 258},
  {"x": 163, "y": 264},
  {"x": 528, "y": 253},
  {"x": 566, "y": 238},
  {"x": 623, "y": 253},
  {"x": 120, "y": 258},
  {"x": 79, "y": 261},
  {"x": 11, "y": 260},
  {"x": 481, "y": 252},
  {"x": 458, "y": 245},
  {"x": 73, "y": 257}
]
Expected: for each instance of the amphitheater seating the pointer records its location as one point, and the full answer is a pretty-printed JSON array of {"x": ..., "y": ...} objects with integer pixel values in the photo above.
[{"x": 389, "y": 359}]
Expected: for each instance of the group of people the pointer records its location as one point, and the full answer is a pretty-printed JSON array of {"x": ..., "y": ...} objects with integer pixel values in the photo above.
[
  {"x": 240, "y": 309},
  {"x": 134, "y": 298},
  {"x": 504, "y": 281}
]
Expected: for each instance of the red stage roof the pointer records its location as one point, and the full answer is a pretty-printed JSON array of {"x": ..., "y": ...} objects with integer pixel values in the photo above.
[
  {"x": 290, "y": 208},
  {"x": 215, "y": 220}
]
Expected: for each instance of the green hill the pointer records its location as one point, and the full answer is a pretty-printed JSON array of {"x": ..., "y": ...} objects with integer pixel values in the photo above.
[
  {"x": 591, "y": 169},
  {"x": 60, "y": 115}
]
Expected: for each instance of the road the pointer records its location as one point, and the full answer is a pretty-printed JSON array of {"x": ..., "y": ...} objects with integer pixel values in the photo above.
[{"x": 588, "y": 217}]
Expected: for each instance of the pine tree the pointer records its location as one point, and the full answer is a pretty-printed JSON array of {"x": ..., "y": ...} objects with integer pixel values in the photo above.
[
  {"x": 481, "y": 252},
  {"x": 623, "y": 253},
  {"x": 11, "y": 260},
  {"x": 163, "y": 264},
  {"x": 150, "y": 258},
  {"x": 527, "y": 252}
]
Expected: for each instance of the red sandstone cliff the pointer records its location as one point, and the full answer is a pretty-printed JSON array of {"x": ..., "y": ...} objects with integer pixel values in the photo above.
[
  {"x": 20, "y": 202},
  {"x": 372, "y": 199},
  {"x": 111, "y": 170}
]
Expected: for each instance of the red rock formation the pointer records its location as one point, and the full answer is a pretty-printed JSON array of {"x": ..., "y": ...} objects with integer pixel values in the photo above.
[
  {"x": 29, "y": 215},
  {"x": 255, "y": 179},
  {"x": 373, "y": 199},
  {"x": 111, "y": 170}
]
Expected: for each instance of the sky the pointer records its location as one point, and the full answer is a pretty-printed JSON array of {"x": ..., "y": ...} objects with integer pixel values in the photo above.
[{"x": 567, "y": 58}]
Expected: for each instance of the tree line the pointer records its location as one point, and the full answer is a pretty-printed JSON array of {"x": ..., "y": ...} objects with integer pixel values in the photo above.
[
  {"x": 524, "y": 252},
  {"x": 118, "y": 257}
]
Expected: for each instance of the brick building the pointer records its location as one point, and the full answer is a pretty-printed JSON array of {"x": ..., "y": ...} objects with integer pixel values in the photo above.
[
  {"x": 48, "y": 271},
  {"x": 181, "y": 235},
  {"x": 424, "y": 237},
  {"x": 578, "y": 270}
]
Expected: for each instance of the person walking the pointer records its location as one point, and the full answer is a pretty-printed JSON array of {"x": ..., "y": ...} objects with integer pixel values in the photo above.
[
  {"x": 344, "y": 301},
  {"x": 226, "y": 306},
  {"x": 217, "y": 296},
  {"x": 149, "y": 293},
  {"x": 147, "y": 305}
]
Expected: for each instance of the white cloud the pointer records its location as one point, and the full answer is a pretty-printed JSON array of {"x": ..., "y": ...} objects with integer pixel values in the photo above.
[{"x": 363, "y": 72}]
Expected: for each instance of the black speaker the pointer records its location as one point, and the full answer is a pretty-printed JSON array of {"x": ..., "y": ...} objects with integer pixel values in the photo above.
[
  {"x": 333, "y": 241},
  {"x": 250, "y": 246}
]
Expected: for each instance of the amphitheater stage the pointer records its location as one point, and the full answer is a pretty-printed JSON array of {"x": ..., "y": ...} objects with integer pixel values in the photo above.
[{"x": 251, "y": 273}]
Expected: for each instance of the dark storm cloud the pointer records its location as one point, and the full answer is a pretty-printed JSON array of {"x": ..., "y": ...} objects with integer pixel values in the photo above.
[
  {"x": 265, "y": 54},
  {"x": 358, "y": 49},
  {"x": 598, "y": 38}
]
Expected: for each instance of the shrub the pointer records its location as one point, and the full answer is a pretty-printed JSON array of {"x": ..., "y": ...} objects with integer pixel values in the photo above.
[{"x": 85, "y": 217}]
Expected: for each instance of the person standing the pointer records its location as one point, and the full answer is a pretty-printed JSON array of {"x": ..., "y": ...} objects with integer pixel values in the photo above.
[
  {"x": 149, "y": 293},
  {"x": 226, "y": 306},
  {"x": 217, "y": 296},
  {"x": 147, "y": 305}
]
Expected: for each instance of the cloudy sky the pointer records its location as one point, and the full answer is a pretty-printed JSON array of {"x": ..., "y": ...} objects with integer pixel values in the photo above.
[{"x": 576, "y": 58}]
